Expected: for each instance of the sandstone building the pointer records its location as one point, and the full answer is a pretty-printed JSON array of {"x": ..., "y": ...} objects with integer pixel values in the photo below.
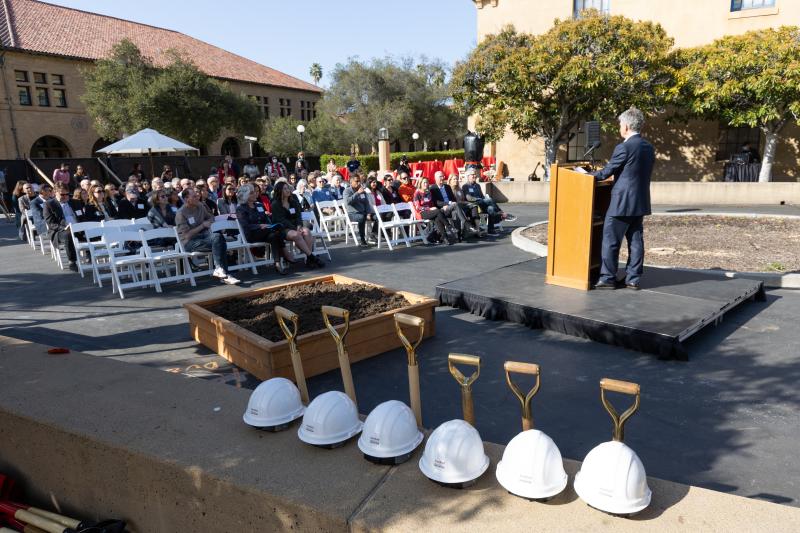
[
  {"x": 43, "y": 47},
  {"x": 695, "y": 152}
]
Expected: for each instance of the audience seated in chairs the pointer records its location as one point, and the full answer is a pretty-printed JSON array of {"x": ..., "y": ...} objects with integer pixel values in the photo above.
[
  {"x": 112, "y": 195},
  {"x": 227, "y": 204},
  {"x": 37, "y": 208},
  {"x": 304, "y": 196},
  {"x": 202, "y": 190},
  {"x": 287, "y": 212},
  {"x": 161, "y": 214},
  {"x": 25, "y": 195},
  {"x": 473, "y": 193},
  {"x": 469, "y": 209},
  {"x": 359, "y": 208},
  {"x": 405, "y": 189},
  {"x": 59, "y": 213},
  {"x": 258, "y": 227},
  {"x": 194, "y": 221},
  {"x": 97, "y": 208},
  {"x": 337, "y": 189},
  {"x": 445, "y": 200},
  {"x": 80, "y": 197},
  {"x": 132, "y": 206},
  {"x": 423, "y": 201}
]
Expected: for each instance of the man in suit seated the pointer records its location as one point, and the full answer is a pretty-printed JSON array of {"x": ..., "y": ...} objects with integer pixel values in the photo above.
[
  {"x": 630, "y": 167},
  {"x": 59, "y": 213},
  {"x": 446, "y": 201},
  {"x": 37, "y": 208},
  {"x": 133, "y": 205}
]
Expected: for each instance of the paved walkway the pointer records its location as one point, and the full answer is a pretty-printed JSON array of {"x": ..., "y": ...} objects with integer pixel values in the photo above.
[{"x": 729, "y": 419}]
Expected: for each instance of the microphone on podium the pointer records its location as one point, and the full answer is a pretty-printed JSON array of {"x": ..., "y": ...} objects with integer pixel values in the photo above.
[{"x": 595, "y": 146}]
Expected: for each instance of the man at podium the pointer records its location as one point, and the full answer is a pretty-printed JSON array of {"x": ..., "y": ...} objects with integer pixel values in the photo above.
[{"x": 630, "y": 167}]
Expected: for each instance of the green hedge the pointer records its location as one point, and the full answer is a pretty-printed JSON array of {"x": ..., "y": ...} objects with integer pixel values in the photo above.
[{"x": 370, "y": 162}]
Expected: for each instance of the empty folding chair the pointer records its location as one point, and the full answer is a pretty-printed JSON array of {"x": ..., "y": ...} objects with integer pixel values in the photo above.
[
  {"x": 134, "y": 265},
  {"x": 161, "y": 246},
  {"x": 394, "y": 225},
  {"x": 117, "y": 223},
  {"x": 100, "y": 239}
]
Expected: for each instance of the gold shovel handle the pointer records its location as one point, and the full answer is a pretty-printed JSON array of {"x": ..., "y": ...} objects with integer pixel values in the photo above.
[
  {"x": 329, "y": 311},
  {"x": 465, "y": 382},
  {"x": 284, "y": 316},
  {"x": 622, "y": 387},
  {"x": 524, "y": 399},
  {"x": 401, "y": 319}
]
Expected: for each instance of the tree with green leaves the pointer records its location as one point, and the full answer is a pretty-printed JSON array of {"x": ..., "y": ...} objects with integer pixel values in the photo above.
[
  {"x": 126, "y": 93},
  {"x": 279, "y": 136},
  {"x": 543, "y": 86},
  {"x": 315, "y": 72},
  {"x": 747, "y": 80},
  {"x": 405, "y": 96}
]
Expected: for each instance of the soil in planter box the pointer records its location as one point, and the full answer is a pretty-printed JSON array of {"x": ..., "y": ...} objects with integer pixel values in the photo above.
[{"x": 257, "y": 315}]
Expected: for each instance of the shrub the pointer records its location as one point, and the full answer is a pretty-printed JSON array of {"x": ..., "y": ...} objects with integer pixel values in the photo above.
[{"x": 370, "y": 162}]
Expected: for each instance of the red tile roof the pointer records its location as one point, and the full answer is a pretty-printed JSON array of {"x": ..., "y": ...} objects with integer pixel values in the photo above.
[{"x": 35, "y": 26}]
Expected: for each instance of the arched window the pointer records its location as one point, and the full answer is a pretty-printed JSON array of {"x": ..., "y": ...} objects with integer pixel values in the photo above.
[
  {"x": 100, "y": 144},
  {"x": 50, "y": 147},
  {"x": 231, "y": 147}
]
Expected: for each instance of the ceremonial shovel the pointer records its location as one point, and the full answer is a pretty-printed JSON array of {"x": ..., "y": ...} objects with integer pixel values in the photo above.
[
  {"x": 401, "y": 319},
  {"x": 344, "y": 360}
]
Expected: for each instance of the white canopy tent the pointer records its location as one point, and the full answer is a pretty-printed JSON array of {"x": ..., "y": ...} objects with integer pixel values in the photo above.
[{"x": 147, "y": 141}]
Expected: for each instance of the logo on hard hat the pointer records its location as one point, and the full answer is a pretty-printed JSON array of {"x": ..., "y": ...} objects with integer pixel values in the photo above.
[
  {"x": 375, "y": 440},
  {"x": 310, "y": 428},
  {"x": 438, "y": 463}
]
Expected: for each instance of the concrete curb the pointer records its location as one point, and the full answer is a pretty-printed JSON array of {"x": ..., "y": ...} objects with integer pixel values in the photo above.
[{"x": 771, "y": 280}]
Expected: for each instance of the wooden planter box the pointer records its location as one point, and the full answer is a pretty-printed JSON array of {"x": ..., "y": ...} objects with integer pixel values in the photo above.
[{"x": 265, "y": 359}]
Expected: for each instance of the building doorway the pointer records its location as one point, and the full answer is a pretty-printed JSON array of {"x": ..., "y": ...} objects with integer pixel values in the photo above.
[
  {"x": 231, "y": 147},
  {"x": 50, "y": 147},
  {"x": 99, "y": 145}
]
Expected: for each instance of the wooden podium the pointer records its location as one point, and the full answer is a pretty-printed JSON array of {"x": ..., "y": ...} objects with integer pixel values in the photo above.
[{"x": 578, "y": 205}]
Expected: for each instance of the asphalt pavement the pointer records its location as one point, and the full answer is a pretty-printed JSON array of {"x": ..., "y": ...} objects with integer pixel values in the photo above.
[{"x": 727, "y": 419}]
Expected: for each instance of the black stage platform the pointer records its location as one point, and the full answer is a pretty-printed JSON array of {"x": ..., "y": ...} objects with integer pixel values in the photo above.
[{"x": 671, "y": 307}]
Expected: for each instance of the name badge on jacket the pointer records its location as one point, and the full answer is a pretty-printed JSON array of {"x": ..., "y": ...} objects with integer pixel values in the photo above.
[
  {"x": 191, "y": 220},
  {"x": 291, "y": 210},
  {"x": 78, "y": 212},
  {"x": 260, "y": 209},
  {"x": 174, "y": 209},
  {"x": 140, "y": 206}
]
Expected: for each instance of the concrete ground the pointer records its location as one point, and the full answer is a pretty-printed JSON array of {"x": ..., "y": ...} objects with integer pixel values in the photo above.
[{"x": 728, "y": 419}]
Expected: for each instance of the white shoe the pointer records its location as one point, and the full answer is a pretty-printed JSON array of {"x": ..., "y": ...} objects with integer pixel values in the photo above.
[
  {"x": 219, "y": 273},
  {"x": 230, "y": 280}
]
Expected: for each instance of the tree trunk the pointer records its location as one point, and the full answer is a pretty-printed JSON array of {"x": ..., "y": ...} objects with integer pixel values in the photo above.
[
  {"x": 770, "y": 147},
  {"x": 550, "y": 155}
]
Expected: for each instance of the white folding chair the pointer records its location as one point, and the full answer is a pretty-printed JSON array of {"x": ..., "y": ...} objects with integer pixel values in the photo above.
[
  {"x": 117, "y": 223},
  {"x": 99, "y": 240},
  {"x": 165, "y": 258},
  {"x": 82, "y": 246},
  {"x": 334, "y": 223},
  {"x": 394, "y": 225},
  {"x": 134, "y": 265},
  {"x": 234, "y": 239},
  {"x": 141, "y": 221},
  {"x": 30, "y": 228},
  {"x": 418, "y": 228},
  {"x": 316, "y": 232},
  {"x": 349, "y": 226}
]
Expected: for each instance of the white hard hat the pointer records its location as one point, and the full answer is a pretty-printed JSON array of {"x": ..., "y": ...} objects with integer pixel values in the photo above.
[
  {"x": 612, "y": 479},
  {"x": 390, "y": 433},
  {"x": 454, "y": 454},
  {"x": 274, "y": 404},
  {"x": 531, "y": 466},
  {"x": 330, "y": 419}
]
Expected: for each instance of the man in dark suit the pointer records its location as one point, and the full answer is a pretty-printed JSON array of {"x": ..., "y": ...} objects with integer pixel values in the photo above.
[
  {"x": 133, "y": 205},
  {"x": 630, "y": 166},
  {"x": 59, "y": 213},
  {"x": 37, "y": 208}
]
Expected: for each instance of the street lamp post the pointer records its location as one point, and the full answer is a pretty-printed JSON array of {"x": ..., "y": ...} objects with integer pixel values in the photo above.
[
  {"x": 415, "y": 137},
  {"x": 301, "y": 130},
  {"x": 445, "y": 146}
]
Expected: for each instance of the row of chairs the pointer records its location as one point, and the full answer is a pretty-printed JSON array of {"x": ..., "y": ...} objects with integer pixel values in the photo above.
[
  {"x": 133, "y": 254},
  {"x": 334, "y": 221}
]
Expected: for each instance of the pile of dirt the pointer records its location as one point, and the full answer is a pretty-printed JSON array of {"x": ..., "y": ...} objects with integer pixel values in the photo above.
[
  {"x": 257, "y": 314},
  {"x": 739, "y": 243}
]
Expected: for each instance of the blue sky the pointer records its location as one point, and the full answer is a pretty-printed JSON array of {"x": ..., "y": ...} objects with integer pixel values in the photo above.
[{"x": 290, "y": 35}]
